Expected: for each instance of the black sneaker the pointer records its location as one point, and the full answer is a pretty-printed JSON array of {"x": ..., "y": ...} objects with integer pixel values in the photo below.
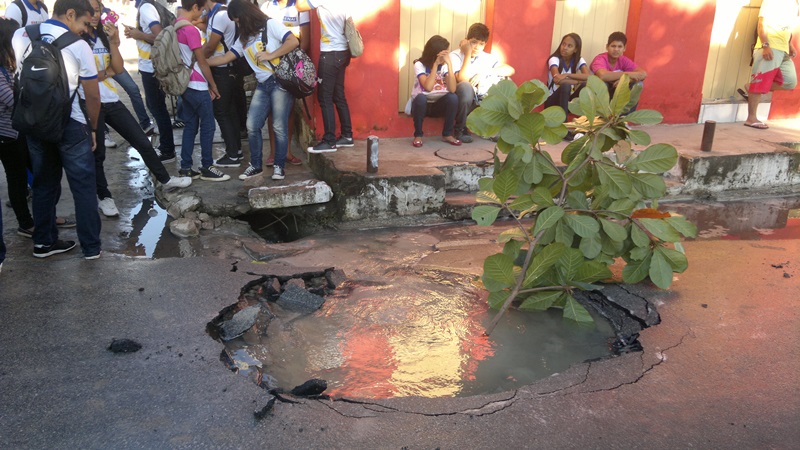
[
  {"x": 322, "y": 147},
  {"x": 43, "y": 251},
  {"x": 344, "y": 142},
  {"x": 211, "y": 173},
  {"x": 166, "y": 157},
  {"x": 466, "y": 137},
  {"x": 227, "y": 161},
  {"x": 249, "y": 173},
  {"x": 25, "y": 232},
  {"x": 191, "y": 173},
  {"x": 278, "y": 173}
]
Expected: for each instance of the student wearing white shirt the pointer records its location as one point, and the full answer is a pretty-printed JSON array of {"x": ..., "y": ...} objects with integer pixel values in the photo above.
[
  {"x": 73, "y": 154},
  {"x": 27, "y": 12},
  {"x": 334, "y": 57}
]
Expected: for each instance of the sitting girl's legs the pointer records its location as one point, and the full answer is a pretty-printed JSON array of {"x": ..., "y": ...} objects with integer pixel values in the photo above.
[
  {"x": 419, "y": 108},
  {"x": 559, "y": 97}
]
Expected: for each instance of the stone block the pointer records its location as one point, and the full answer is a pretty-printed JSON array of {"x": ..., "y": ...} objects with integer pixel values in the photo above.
[
  {"x": 184, "y": 228},
  {"x": 299, "y": 300},
  {"x": 307, "y": 192}
]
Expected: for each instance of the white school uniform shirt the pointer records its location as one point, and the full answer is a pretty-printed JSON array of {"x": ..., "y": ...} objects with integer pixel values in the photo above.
[
  {"x": 221, "y": 24},
  {"x": 332, "y": 15},
  {"x": 77, "y": 57},
  {"x": 555, "y": 61},
  {"x": 189, "y": 39},
  {"x": 277, "y": 34},
  {"x": 36, "y": 14},
  {"x": 102, "y": 60},
  {"x": 480, "y": 65},
  {"x": 148, "y": 16},
  {"x": 291, "y": 17}
]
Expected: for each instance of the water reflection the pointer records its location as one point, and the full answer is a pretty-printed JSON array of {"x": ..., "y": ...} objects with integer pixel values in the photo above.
[{"x": 150, "y": 237}]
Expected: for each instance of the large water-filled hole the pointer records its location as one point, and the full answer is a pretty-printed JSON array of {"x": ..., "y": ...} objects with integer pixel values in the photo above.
[{"x": 416, "y": 334}]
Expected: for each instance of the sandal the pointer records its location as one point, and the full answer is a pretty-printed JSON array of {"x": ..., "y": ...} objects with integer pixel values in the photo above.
[
  {"x": 417, "y": 142},
  {"x": 294, "y": 160},
  {"x": 455, "y": 142},
  {"x": 269, "y": 162},
  {"x": 757, "y": 125},
  {"x": 63, "y": 222}
]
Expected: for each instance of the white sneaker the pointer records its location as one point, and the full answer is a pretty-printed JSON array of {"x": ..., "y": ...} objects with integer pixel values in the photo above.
[
  {"x": 178, "y": 182},
  {"x": 110, "y": 142},
  {"x": 108, "y": 207},
  {"x": 277, "y": 173}
]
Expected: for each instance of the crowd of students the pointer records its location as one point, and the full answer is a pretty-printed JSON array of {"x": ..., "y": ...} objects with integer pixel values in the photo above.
[
  {"x": 450, "y": 85},
  {"x": 235, "y": 39}
]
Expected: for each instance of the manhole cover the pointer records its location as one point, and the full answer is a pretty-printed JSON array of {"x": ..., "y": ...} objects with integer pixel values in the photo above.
[{"x": 462, "y": 154}]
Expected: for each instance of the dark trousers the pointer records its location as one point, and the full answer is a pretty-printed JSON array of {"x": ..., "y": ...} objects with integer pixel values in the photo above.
[
  {"x": 73, "y": 156},
  {"x": 225, "y": 110},
  {"x": 117, "y": 116},
  {"x": 561, "y": 97},
  {"x": 445, "y": 106},
  {"x": 157, "y": 104},
  {"x": 466, "y": 103},
  {"x": 240, "y": 101},
  {"x": 14, "y": 155},
  {"x": 332, "y": 66}
]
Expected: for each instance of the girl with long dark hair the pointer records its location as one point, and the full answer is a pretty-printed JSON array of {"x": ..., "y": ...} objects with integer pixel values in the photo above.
[
  {"x": 434, "y": 90},
  {"x": 568, "y": 73},
  {"x": 262, "y": 42}
]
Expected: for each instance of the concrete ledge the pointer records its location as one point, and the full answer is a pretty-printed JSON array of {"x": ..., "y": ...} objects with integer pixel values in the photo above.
[
  {"x": 308, "y": 192},
  {"x": 736, "y": 172}
]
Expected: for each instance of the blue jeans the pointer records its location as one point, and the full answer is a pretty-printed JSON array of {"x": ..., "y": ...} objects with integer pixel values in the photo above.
[
  {"x": 197, "y": 111},
  {"x": 332, "y": 66},
  {"x": 73, "y": 155},
  {"x": 268, "y": 99},
  {"x": 444, "y": 107},
  {"x": 157, "y": 103},
  {"x": 132, "y": 89}
]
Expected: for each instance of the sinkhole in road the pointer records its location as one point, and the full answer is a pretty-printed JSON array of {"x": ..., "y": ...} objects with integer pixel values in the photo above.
[{"x": 414, "y": 334}]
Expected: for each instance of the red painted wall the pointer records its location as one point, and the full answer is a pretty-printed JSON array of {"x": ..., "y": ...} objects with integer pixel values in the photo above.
[{"x": 671, "y": 42}]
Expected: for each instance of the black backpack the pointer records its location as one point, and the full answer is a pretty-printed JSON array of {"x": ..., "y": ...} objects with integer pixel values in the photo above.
[
  {"x": 24, "y": 11},
  {"x": 43, "y": 104},
  {"x": 295, "y": 72}
]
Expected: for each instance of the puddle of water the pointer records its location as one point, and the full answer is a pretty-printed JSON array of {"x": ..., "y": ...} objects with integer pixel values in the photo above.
[
  {"x": 415, "y": 336},
  {"x": 762, "y": 219},
  {"x": 150, "y": 236}
]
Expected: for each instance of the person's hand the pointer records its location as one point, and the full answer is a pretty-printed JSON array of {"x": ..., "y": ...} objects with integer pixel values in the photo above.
[
  {"x": 130, "y": 32},
  {"x": 558, "y": 78},
  {"x": 466, "y": 47},
  {"x": 792, "y": 52},
  {"x": 94, "y": 141},
  {"x": 214, "y": 92},
  {"x": 263, "y": 57},
  {"x": 113, "y": 34},
  {"x": 767, "y": 53},
  {"x": 442, "y": 56}
]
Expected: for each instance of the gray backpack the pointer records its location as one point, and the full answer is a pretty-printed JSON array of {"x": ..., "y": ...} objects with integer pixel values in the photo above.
[{"x": 170, "y": 71}]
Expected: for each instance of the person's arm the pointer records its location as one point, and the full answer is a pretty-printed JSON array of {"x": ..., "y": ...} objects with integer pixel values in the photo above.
[
  {"x": 450, "y": 77},
  {"x": 503, "y": 70},
  {"x": 91, "y": 93},
  {"x": 221, "y": 60},
  {"x": 117, "y": 63},
  {"x": 290, "y": 42},
  {"x": 762, "y": 34},
  {"x": 206, "y": 70},
  {"x": 146, "y": 14},
  {"x": 303, "y": 5},
  {"x": 466, "y": 59},
  {"x": 212, "y": 42},
  {"x": 305, "y": 37}
]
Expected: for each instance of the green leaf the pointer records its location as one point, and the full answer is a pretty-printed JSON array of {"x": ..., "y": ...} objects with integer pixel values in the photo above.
[
  {"x": 600, "y": 90},
  {"x": 512, "y": 233},
  {"x": 614, "y": 230},
  {"x": 617, "y": 180},
  {"x": 548, "y": 218},
  {"x": 505, "y": 184},
  {"x": 649, "y": 185},
  {"x": 485, "y": 184},
  {"x": 584, "y": 226},
  {"x": 575, "y": 107},
  {"x": 636, "y": 92},
  {"x": 564, "y": 234},
  {"x": 636, "y": 271},
  {"x": 677, "y": 260},
  {"x": 591, "y": 246},
  {"x": 487, "y": 197},
  {"x": 511, "y": 134},
  {"x": 512, "y": 248},
  {"x": 612, "y": 133},
  {"x": 507, "y": 89},
  {"x": 588, "y": 102},
  {"x": 591, "y": 271},
  {"x": 545, "y": 163},
  {"x": 554, "y": 116},
  {"x": 639, "y": 137},
  {"x": 531, "y": 126},
  {"x": 577, "y": 200},
  {"x": 554, "y": 135},
  {"x": 543, "y": 261},
  {"x": 532, "y": 174},
  {"x": 540, "y": 301},
  {"x": 575, "y": 311},
  {"x": 485, "y": 215},
  {"x": 499, "y": 267},
  {"x": 644, "y": 117},
  {"x": 570, "y": 262},
  {"x": 531, "y": 94},
  {"x": 622, "y": 95},
  {"x": 587, "y": 286},
  {"x": 639, "y": 237},
  {"x": 497, "y": 298},
  {"x": 573, "y": 149},
  {"x": 660, "y": 271},
  {"x": 494, "y": 110},
  {"x": 542, "y": 197},
  {"x": 661, "y": 229},
  {"x": 502, "y": 145},
  {"x": 682, "y": 225},
  {"x": 478, "y": 123},
  {"x": 657, "y": 158},
  {"x": 522, "y": 202},
  {"x": 639, "y": 253}
]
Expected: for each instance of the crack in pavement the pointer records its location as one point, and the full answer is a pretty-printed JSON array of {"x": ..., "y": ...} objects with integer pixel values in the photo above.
[{"x": 488, "y": 408}]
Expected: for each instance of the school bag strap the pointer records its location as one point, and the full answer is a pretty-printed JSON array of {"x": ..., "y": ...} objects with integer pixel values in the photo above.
[{"x": 23, "y": 10}]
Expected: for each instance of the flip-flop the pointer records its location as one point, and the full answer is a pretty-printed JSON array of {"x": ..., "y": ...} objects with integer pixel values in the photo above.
[
  {"x": 417, "y": 143},
  {"x": 455, "y": 142},
  {"x": 742, "y": 93},
  {"x": 293, "y": 160},
  {"x": 757, "y": 125}
]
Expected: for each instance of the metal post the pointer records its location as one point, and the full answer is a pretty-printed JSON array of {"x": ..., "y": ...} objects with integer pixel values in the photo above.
[
  {"x": 708, "y": 135},
  {"x": 372, "y": 154}
]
